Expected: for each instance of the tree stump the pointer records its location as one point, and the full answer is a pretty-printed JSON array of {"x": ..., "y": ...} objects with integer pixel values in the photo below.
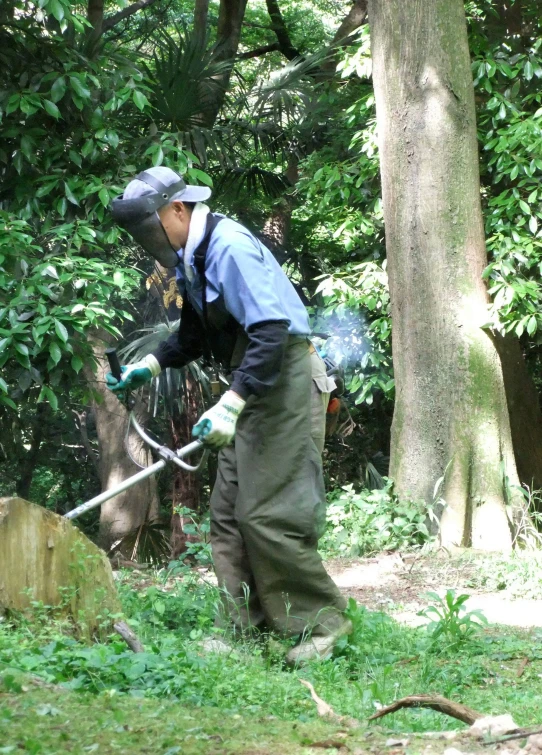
[{"x": 44, "y": 558}]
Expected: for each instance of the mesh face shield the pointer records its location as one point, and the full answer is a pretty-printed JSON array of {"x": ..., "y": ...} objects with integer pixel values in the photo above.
[{"x": 140, "y": 218}]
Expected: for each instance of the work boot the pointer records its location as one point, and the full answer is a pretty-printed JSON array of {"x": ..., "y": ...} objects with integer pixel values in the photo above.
[{"x": 319, "y": 646}]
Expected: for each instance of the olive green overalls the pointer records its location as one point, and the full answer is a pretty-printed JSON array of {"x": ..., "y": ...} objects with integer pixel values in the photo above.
[{"x": 268, "y": 510}]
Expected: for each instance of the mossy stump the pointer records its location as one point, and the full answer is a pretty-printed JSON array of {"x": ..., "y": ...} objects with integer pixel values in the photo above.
[{"x": 44, "y": 559}]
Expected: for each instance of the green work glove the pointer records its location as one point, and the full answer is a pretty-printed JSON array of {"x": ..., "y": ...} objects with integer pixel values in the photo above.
[
  {"x": 133, "y": 376},
  {"x": 217, "y": 426}
]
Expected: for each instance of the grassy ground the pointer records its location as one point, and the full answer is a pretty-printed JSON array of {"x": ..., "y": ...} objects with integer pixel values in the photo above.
[
  {"x": 48, "y": 723},
  {"x": 176, "y": 696}
]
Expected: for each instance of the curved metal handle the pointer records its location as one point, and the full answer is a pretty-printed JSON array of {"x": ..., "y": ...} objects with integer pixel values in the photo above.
[
  {"x": 196, "y": 445},
  {"x": 175, "y": 456}
]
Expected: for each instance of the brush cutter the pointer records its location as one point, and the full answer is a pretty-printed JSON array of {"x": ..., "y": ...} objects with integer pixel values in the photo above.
[{"x": 166, "y": 454}]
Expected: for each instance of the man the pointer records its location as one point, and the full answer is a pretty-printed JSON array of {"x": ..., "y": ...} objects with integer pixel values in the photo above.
[{"x": 268, "y": 503}]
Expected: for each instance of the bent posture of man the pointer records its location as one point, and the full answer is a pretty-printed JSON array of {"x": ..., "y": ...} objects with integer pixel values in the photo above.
[{"x": 268, "y": 503}]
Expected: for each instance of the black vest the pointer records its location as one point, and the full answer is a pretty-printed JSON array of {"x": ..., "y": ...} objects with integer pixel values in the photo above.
[{"x": 221, "y": 336}]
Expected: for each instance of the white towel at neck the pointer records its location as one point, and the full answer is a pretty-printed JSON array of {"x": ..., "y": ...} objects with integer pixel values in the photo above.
[{"x": 196, "y": 232}]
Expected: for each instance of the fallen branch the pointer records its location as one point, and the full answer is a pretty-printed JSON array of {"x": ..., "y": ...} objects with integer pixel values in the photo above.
[
  {"x": 522, "y": 666},
  {"x": 129, "y": 637},
  {"x": 436, "y": 702},
  {"x": 519, "y": 734},
  {"x": 326, "y": 711}
]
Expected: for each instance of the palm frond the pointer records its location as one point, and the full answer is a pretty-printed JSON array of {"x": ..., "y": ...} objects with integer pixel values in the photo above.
[
  {"x": 136, "y": 350},
  {"x": 288, "y": 91},
  {"x": 186, "y": 80},
  {"x": 253, "y": 180},
  {"x": 167, "y": 389}
]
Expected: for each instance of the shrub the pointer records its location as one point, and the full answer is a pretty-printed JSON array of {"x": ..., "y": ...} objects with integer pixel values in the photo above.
[{"x": 369, "y": 521}]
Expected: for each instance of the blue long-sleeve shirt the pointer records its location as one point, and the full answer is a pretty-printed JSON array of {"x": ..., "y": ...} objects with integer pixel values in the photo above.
[{"x": 244, "y": 280}]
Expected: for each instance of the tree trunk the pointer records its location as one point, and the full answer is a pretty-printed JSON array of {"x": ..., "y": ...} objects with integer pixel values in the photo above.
[
  {"x": 281, "y": 32},
  {"x": 524, "y": 411},
  {"x": 28, "y": 464},
  {"x": 95, "y": 15},
  {"x": 186, "y": 487},
  {"x": 45, "y": 558},
  {"x": 201, "y": 13},
  {"x": 451, "y": 417},
  {"x": 125, "y": 512},
  {"x": 230, "y": 20}
]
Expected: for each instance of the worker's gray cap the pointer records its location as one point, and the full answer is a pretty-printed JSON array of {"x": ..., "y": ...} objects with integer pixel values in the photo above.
[{"x": 167, "y": 176}]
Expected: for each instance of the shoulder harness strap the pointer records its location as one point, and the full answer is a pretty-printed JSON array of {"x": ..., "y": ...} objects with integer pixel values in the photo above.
[{"x": 200, "y": 256}]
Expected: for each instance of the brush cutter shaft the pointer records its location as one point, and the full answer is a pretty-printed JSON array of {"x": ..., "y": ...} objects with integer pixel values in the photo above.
[
  {"x": 167, "y": 455},
  {"x": 107, "y": 494}
]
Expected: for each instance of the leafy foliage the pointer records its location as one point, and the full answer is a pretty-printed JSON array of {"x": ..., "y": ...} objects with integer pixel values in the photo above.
[
  {"x": 367, "y": 522},
  {"x": 450, "y": 622},
  {"x": 379, "y": 662},
  {"x": 52, "y": 301}
]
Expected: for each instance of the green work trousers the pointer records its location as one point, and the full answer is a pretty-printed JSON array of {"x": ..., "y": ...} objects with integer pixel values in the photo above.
[{"x": 268, "y": 511}]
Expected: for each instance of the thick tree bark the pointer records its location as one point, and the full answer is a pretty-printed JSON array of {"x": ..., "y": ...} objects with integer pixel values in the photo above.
[
  {"x": 228, "y": 33},
  {"x": 125, "y": 512},
  {"x": 524, "y": 411},
  {"x": 95, "y": 15},
  {"x": 281, "y": 32},
  {"x": 451, "y": 417},
  {"x": 258, "y": 51},
  {"x": 352, "y": 21},
  {"x": 201, "y": 13},
  {"x": 116, "y": 18},
  {"x": 186, "y": 487},
  {"x": 230, "y": 20},
  {"x": 356, "y": 17},
  {"x": 28, "y": 464}
]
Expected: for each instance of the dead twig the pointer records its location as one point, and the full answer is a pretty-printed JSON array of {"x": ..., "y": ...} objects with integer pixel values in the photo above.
[
  {"x": 520, "y": 734},
  {"x": 406, "y": 661},
  {"x": 436, "y": 702},
  {"x": 522, "y": 666},
  {"x": 330, "y": 744},
  {"x": 129, "y": 637},
  {"x": 325, "y": 710}
]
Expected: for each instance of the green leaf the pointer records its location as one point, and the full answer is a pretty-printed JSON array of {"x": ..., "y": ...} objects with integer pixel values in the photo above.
[
  {"x": 525, "y": 207},
  {"x": 531, "y": 325},
  {"x": 58, "y": 90},
  {"x": 79, "y": 88},
  {"x": 69, "y": 194},
  {"x": 75, "y": 157},
  {"x": 76, "y": 363},
  {"x": 3, "y": 385},
  {"x": 113, "y": 139},
  {"x": 528, "y": 70},
  {"x": 21, "y": 348},
  {"x": 62, "y": 206},
  {"x": 47, "y": 394},
  {"x": 61, "y": 331},
  {"x": 56, "y": 9},
  {"x": 158, "y": 157},
  {"x": 50, "y": 270},
  {"x": 54, "y": 351},
  {"x": 103, "y": 194},
  {"x": 118, "y": 278},
  {"x": 140, "y": 100},
  {"x": 533, "y": 224},
  {"x": 13, "y": 103},
  {"x": 202, "y": 176},
  {"x": 51, "y": 108}
]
